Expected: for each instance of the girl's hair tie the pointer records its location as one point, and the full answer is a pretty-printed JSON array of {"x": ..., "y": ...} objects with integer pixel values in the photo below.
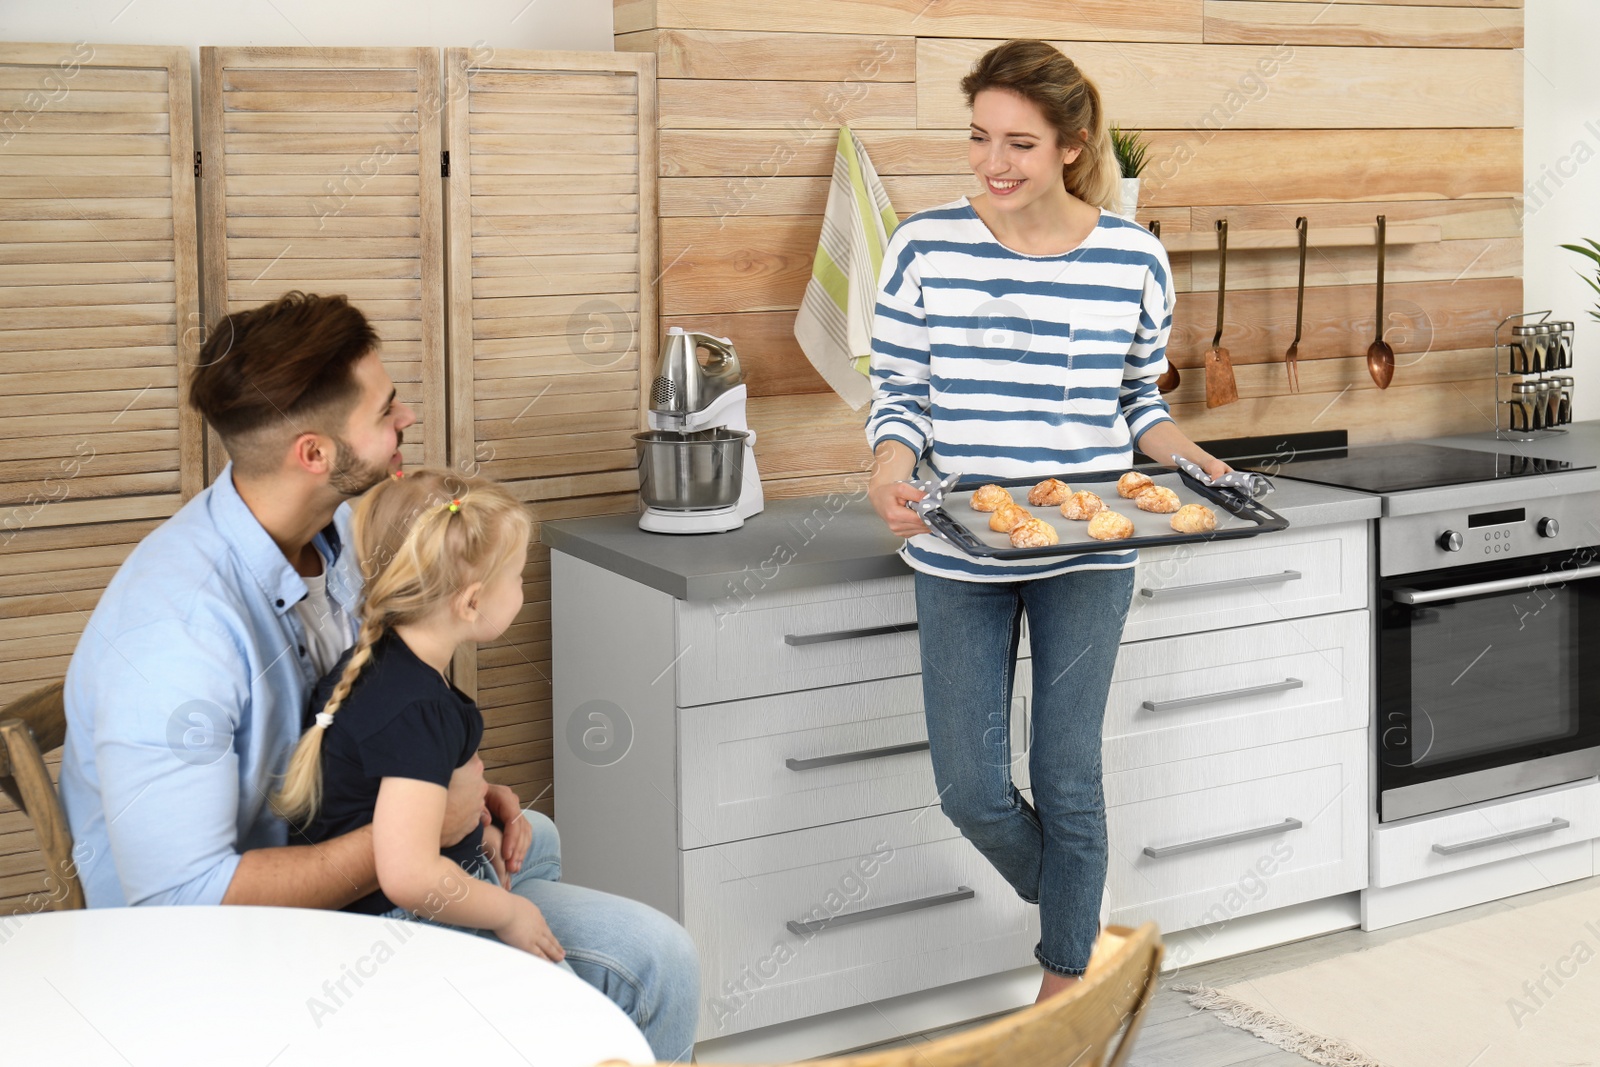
[
  {"x": 324, "y": 719},
  {"x": 455, "y": 506},
  {"x": 399, "y": 474}
]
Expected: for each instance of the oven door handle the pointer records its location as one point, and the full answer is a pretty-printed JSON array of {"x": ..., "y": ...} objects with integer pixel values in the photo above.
[{"x": 1407, "y": 595}]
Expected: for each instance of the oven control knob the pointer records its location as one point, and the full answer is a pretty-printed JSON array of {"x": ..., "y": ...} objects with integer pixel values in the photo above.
[
  {"x": 1450, "y": 541},
  {"x": 1549, "y": 527}
]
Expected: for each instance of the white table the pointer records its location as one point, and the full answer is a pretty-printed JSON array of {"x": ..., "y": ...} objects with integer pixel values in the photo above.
[{"x": 284, "y": 986}]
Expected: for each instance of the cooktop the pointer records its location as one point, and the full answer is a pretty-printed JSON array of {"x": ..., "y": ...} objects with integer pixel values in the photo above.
[{"x": 1398, "y": 467}]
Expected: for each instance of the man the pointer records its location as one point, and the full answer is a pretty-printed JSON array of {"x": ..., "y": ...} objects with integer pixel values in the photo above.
[{"x": 186, "y": 692}]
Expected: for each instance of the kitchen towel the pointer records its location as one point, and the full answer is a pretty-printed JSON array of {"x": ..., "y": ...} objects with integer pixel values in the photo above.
[{"x": 834, "y": 326}]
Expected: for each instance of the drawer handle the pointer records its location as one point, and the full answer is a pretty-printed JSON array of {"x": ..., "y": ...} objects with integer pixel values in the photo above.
[
  {"x": 848, "y": 635},
  {"x": 1212, "y": 587},
  {"x": 812, "y": 926},
  {"x": 1224, "y": 839},
  {"x": 1515, "y": 835},
  {"x": 851, "y": 757},
  {"x": 1207, "y": 698}
]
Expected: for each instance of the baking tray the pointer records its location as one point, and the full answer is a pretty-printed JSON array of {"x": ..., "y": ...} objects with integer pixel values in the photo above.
[{"x": 1237, "y": 515}]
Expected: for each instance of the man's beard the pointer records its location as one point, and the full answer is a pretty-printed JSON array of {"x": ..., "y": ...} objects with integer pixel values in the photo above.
[{"x": 350, "y": 475}]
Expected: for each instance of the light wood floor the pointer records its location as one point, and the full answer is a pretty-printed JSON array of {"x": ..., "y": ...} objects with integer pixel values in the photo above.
[{"x": 1177, "y": 1035}]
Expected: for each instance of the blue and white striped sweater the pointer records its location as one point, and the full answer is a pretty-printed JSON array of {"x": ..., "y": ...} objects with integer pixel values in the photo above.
[{"x": 1002, "y": 365}]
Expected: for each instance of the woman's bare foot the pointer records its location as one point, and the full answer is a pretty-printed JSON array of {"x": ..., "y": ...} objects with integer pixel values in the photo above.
[{"x": 1055, "y": 983}]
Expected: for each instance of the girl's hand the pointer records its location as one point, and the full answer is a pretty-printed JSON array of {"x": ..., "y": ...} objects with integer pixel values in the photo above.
[
  {"x": 527, "y": 930},
  {"x": 889, "y": 501},
  {"x": 1215, "y": 467}
]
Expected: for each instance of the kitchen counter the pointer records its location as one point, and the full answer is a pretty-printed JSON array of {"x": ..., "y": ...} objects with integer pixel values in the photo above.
[
  {"x": 1580, "y": 444},
  {"x": 820, "y": 540}
]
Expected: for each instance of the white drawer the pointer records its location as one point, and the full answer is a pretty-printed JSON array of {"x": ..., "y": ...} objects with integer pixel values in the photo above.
[
  {"x": 1208, "y": 840},
  {"x": 799, "y": 639},
  {"x": 769, "y": 764},
  {"x": 1186, "y": 588},
  {"x": 739, "y": 900},
  {"x": 1437, "y": 844},
  {"x": 1175, "y": 698},
  {"x": 796, "y": 639}
]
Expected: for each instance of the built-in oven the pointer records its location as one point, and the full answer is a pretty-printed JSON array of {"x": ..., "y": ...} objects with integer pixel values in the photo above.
[{"x": 1488, "y": 653}]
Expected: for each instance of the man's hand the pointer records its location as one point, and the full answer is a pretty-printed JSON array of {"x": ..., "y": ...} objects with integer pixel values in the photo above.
[
  {"x": 491, "y": 849},
  {"x": 463, "y": 808},
  {"x": 502, "y": 802}
]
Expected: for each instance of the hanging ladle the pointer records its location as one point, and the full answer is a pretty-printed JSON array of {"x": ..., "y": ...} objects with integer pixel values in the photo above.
[{"x": 1380, "y": 357}]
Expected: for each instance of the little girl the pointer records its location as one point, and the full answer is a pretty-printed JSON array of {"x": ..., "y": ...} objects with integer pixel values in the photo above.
[{"x": 442, "y": 557}]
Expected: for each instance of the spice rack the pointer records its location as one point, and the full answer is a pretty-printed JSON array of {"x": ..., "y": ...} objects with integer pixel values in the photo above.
[{"x": 1534, "y": 354}]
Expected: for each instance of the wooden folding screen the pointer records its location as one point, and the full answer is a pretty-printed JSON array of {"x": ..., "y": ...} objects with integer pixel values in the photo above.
[
  {"x": 99, "y": 314},
  {"x": 321, "y": 172},
  {"x": 552, "y": 326}
]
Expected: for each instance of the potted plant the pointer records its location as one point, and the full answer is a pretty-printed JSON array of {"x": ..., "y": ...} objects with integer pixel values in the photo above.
[
  {"x": 1593, "y": 252},
  {"x": 1131, "y": 149}
]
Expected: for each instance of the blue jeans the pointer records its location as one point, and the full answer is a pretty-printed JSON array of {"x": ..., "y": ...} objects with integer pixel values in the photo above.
[
  {"x": 641, "y": 960},
  {"x": 1053, "y": 851}
]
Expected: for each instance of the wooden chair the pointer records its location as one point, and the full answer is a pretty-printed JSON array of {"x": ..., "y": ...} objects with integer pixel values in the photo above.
[
  {"x": 30, "y": 726},
  {"x": 1077, "y": 1028}
]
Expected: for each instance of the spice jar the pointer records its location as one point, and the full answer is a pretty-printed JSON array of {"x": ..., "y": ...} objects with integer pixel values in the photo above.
[
  {"x": 1524, "y": 406},
  {"x": 1521, "y": 348}
]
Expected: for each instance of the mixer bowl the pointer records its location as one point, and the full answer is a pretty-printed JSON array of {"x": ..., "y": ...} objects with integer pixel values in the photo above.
[{"x": 694, "y": 471}]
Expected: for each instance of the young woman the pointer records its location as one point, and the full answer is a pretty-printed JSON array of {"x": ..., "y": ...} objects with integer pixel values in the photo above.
[
  {"x": 443, "y": 558},
  {"x": 1019, "y": 334}
]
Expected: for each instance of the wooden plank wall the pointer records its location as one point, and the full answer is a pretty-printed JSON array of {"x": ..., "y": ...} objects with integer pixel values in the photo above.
[
  {"x": 100, "y": 290},
  {"x": 552, "y": 170},
  {"x": 1256, "y": 111}
]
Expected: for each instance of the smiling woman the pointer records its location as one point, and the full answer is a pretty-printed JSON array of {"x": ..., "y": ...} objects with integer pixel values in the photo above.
[{"x": 1019, "y": 334}]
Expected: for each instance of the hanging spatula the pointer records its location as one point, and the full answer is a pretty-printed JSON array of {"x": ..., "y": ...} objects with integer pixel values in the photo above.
[{"x": 1220, "y": 386}]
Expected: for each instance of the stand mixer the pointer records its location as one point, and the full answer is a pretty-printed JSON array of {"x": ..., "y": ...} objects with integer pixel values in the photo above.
[{"x": 697, "y": 465}]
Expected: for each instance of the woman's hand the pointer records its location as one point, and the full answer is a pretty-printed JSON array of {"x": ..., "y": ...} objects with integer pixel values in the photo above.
[
  {"x": 889, "y": 501},
  {"x": 527, "y": 930}
]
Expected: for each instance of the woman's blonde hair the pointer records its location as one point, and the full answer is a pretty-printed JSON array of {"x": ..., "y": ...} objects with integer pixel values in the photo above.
[
  {"x": 1039, "y": 73},
  {"x": 420, "y": 540}
]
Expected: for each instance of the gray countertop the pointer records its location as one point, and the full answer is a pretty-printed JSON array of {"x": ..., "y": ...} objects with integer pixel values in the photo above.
[
  {"x": 824, "y": 539},
  {"x": 1580, "y": 444}
]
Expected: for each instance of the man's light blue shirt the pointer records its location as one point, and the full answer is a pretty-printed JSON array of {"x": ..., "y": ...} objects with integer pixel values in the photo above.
[{"x": 184, "y": 699}]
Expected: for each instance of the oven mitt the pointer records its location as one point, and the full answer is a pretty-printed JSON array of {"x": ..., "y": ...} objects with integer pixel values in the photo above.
[
  {"x": 936, "y": 489},
  {"x": 1253, "y": 485}
]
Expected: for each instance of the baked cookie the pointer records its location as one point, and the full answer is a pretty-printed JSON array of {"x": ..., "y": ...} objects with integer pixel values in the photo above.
[
  {"x": 1133, "y": 483},
  {"x": 1033, "y": 533},
  {"x": 1109, "y": 526},
  {"x": 1049, "y": 493},
  {"x": 990, "y": 497},
  {"x": 1194, "y": 518},
  {"x": 1006, "y": 516},
  {"x": 1082, "y": 505},
  {"x": 1157, "y": 498}
]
